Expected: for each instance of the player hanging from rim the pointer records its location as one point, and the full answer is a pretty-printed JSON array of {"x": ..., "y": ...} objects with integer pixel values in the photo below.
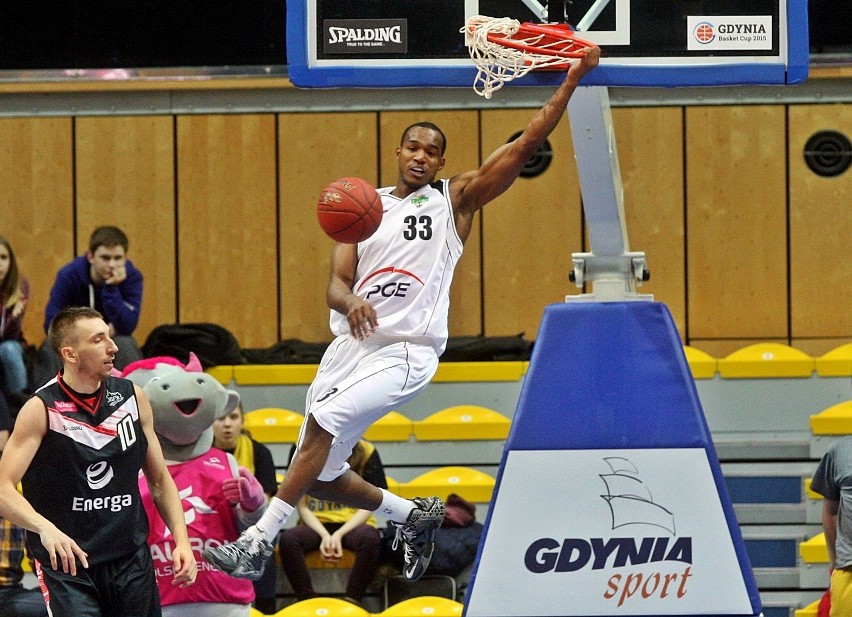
[{"x": 389, "y": 300}]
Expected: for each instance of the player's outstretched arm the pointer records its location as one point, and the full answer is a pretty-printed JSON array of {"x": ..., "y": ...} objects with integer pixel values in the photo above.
[
  {"x": 165, "y": 496},
  {"x": 30, "y": 428},
  {"x": 472, "y": 190}
]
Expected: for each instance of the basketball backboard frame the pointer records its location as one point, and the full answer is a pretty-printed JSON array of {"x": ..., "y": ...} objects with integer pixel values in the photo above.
[{"x": 734, "y": 50}]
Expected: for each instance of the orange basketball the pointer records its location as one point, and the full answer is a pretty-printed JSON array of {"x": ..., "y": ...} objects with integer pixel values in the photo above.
[{"x": 349, "y": 210}]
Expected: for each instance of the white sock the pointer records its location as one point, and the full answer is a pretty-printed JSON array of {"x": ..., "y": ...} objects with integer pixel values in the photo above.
[
  {"x": 394, "y": 507},
  {"x": 276, "y": 515}
]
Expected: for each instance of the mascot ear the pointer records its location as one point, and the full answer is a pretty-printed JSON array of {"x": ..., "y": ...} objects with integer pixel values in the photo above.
[
  {"x": 233, "y": 401},
  {"x": 193, "y": 364}
]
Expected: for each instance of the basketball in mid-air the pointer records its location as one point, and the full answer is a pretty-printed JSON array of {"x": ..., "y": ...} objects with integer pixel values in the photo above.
[{"x": 349, "y": 210}]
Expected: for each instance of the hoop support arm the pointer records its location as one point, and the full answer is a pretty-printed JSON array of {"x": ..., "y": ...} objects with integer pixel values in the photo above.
[{"x": 611, "y": 267}]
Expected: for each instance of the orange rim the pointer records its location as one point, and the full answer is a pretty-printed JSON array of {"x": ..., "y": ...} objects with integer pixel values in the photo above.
[{"x": 552, "y": 40}]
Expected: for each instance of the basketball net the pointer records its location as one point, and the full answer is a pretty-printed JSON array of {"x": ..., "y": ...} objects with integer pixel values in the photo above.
[{"x": 503, "y": 50}]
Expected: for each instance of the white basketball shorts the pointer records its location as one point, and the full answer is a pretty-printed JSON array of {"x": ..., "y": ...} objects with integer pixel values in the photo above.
[{"x": 357, "y": 383}]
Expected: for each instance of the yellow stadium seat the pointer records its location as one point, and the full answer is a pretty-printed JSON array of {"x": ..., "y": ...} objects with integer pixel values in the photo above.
[
  {"x": 471, "y": 484},
  {"x": 766, "y": 360},
  {"x": 424, "y": 606},
  {"x": 273, "y": 425},
  {"x": 835, "y": 363},
  {"x": 223, "y": 373},
  {"x": 392, "y": 427},
  {"x": 460, "y": 372},
  {"x": 274, "y": 374},
  {"x": 393, "y": 485},
  {"x": 26, "y": 562},
  {"x": 322, "y": 607},
  {"x": 814, "y": 550},
  {"x": 462, "y": 422},
  {"x": 702, "y": 364},
  {"x": 253, "y": 612},
  {"x": 808, "y": 611},
  {"x": 811, "y": 493},
  {"x": 834, "y": 420}
]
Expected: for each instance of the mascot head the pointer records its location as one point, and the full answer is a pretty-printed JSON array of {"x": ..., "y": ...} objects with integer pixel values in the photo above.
[{"x": 185, "y": 401}]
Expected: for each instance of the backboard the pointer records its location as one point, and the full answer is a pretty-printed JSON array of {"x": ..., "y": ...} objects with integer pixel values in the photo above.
[{"x": 405, "y": 43}]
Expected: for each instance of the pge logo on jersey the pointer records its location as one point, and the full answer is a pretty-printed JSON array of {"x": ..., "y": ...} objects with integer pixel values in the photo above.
[{"x": 393, "y": 282}]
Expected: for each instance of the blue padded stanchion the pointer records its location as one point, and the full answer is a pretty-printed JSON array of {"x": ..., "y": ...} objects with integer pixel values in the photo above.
[{"x": 610, "y": 498}]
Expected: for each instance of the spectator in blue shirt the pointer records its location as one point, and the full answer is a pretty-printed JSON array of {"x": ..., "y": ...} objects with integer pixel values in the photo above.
[{"x": 102, "y": 279}]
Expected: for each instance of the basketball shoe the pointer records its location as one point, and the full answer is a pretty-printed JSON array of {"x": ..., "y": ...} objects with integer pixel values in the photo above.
[
  {"x": 417, "y": 535},
  {"x": 245, "y": 557}
]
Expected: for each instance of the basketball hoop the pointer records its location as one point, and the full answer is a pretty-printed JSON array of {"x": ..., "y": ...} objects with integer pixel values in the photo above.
[{"x": 504, "y": 49}]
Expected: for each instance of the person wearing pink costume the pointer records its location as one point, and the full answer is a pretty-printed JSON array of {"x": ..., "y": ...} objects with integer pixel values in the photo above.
[{"x": 219, "y": 497}]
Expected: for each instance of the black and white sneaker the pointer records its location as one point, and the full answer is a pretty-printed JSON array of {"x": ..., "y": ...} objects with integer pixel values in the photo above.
[
  {"x": 417, "y": 535},
  {"x": 245, "y": 557}
]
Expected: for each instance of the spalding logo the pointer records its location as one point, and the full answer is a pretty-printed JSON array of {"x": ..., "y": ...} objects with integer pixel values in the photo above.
[{"x": 331, "y": 198}]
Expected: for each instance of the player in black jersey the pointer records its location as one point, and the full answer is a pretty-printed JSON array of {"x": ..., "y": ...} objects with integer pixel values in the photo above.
[{"x": 77, "y": 448}]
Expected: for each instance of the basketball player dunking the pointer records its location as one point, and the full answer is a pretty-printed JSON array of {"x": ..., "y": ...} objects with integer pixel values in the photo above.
[{"x": 389, "y": 299}]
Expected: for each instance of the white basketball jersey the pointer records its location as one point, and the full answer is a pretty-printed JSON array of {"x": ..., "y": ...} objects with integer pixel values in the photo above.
[{"x": 405, "y": 269}]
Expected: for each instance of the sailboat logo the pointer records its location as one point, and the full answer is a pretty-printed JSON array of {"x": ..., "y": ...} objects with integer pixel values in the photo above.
[{"x": 630, "y": 500}]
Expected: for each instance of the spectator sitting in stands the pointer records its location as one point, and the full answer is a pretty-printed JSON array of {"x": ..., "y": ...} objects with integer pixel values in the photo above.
[
  {"x": 331, "y": 527},
  {"x": 5, "y": 424},
  {"x": 102, "y": 279},
  {"x": 14, "y": 293},
  {"x": 15, "y": 599},
  {"x": 228, "y": 435}
]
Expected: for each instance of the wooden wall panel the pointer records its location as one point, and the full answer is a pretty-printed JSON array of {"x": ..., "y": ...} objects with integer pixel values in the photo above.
[
  {"x": 736, "y": 222},
  {"x": 529, "y": 232},
  {"x": 461, "y": 129},
  {"x": 650, "y": 152},
  {"x": 227, "y": 224},
  {"x": 820, "y": 230},
  {"x": 721, "y": 348},
  {"x": 315, "y": 149},
  {"x": 125, "y": 177},
  {"x": 819, "y": 346},
  {"x": 248, "y": 256},
  {"x": 37, "y": 204}
]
